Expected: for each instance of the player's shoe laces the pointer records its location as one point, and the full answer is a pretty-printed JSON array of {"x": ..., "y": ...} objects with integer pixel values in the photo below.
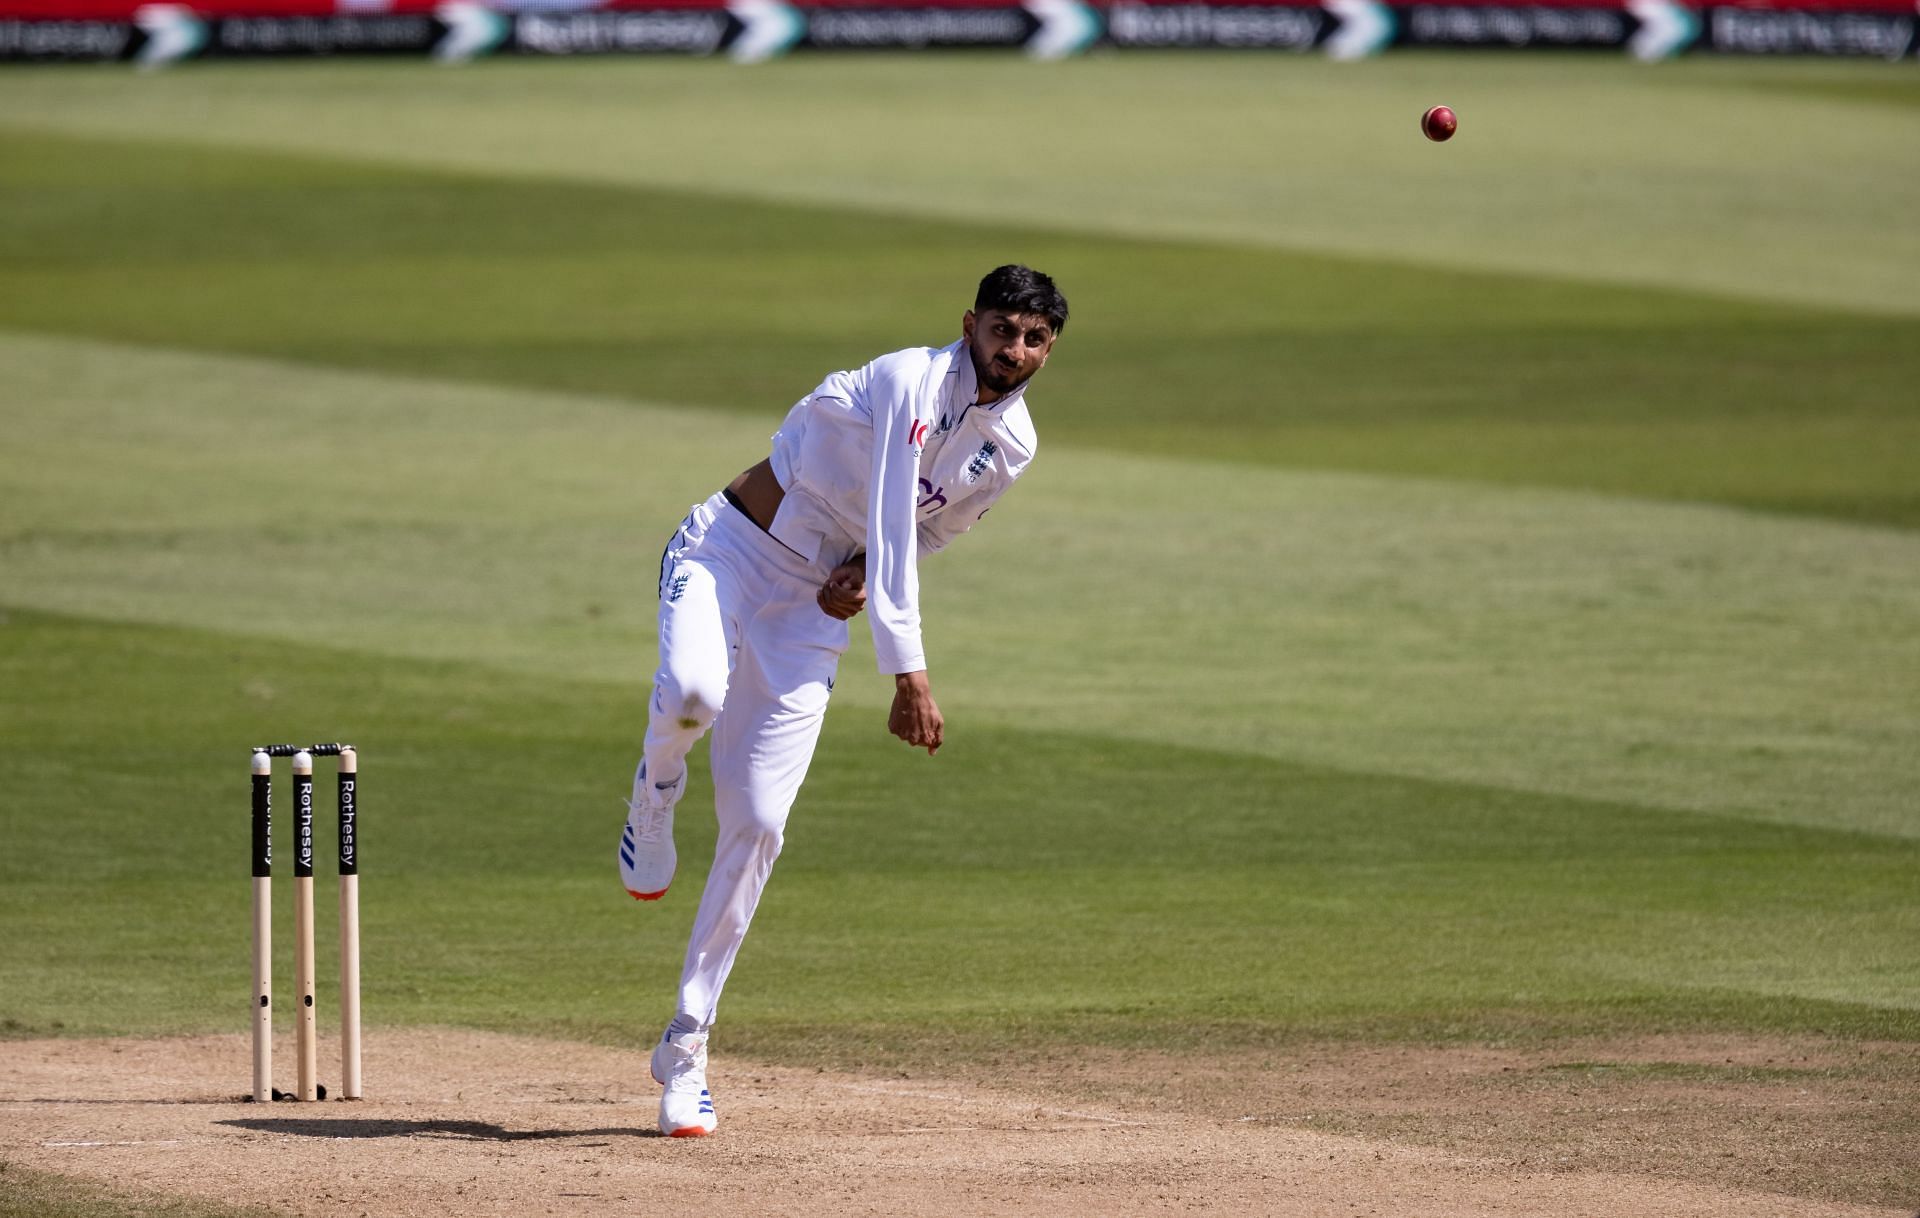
[
  {"x": 647, "y": 859},
  {"x": 680, "y": 1065}
]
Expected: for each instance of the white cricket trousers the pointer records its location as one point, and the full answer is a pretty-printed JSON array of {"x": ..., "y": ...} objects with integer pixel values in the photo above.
[{"x": 746, "y": 651}]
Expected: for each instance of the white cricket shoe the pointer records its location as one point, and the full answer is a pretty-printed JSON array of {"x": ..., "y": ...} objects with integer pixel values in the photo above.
[
  {"x": 680, "y": 1065},
  {"x": 647, "y": 859}
]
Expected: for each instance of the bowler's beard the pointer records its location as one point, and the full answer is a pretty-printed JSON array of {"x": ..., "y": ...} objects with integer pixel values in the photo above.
[{"x": 994, "y": 377}]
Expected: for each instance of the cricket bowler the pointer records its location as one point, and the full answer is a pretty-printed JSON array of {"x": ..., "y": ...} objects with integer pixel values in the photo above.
[{"x": 875, "y": 468}]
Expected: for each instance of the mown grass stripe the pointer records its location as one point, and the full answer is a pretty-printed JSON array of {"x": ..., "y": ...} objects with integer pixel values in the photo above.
[
  {"x": 1781, "y": 179},
  {"x": 1539, "y": 640},
  {"x": 1198, "y": 887}
]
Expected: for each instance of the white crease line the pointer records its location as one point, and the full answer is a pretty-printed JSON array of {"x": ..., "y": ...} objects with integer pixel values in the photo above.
[
  {"x": 156, "y": 1142},
  {"x": 966, "y": 1099}
]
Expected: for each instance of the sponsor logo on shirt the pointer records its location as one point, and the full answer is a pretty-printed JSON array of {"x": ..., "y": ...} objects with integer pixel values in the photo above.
[
  {"x": 917, "y": 434},
  {"x": 980, "y": 461}
]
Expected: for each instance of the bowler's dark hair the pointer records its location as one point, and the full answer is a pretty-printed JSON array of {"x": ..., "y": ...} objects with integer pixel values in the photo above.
[{"x": 1021, "y": 289}]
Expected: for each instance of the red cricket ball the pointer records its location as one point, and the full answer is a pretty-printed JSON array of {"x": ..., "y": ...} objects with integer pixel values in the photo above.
[{"x": 1439, "y": 124}]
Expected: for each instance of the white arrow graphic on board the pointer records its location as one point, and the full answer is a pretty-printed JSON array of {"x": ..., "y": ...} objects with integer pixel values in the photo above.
[
  {"x": 1366, "y": 26},
  {"x": 173, "y": 33},
  {"x": 472, "y": 29},
  {"x": 1666, "y": 29},
  {"x": 1067, "y": 27},
  {"x": 771, "y": 28}
]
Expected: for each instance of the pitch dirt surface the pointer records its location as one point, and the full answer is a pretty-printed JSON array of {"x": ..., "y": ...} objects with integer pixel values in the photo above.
[{"x": 483, "y": 1124}]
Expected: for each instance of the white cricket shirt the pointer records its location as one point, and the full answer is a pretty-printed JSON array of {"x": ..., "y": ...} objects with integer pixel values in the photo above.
[{"x": 894, "y": 458}]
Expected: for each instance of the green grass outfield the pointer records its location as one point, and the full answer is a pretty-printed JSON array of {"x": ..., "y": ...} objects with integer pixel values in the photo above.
[{"x": 1466, "y": 591}]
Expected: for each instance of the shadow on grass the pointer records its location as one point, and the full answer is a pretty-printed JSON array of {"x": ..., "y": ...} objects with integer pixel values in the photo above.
[{"x": 472, "y": 1131}]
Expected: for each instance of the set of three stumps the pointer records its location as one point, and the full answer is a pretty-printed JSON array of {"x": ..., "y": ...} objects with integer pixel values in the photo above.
[{"x": 306, "y": 1039}]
